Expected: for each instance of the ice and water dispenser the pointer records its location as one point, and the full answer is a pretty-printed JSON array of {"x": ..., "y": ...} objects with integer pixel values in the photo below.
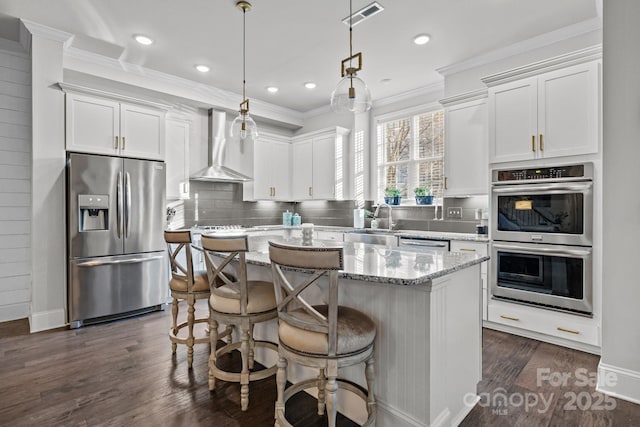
[{"x": 94, "y": 212}]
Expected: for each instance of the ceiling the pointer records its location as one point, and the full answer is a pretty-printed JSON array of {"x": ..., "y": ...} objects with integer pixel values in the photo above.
[{"x": 290, "y": 42}]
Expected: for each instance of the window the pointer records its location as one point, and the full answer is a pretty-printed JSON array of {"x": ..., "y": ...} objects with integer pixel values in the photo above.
[{"x": 411, "y": 154}]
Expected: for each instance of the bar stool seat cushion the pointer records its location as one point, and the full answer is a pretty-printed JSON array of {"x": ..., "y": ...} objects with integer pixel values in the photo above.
[
  {"x": 200, "y": 283},
  {"x": 260, "y": 298},
  {"x": 356, "y": 331}
]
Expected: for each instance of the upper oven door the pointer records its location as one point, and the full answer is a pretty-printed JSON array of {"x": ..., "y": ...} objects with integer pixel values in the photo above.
[{"x": 559, "y": 213}]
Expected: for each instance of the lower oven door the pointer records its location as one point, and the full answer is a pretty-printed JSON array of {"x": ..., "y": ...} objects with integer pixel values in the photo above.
[{"x": 548, "y": 275}]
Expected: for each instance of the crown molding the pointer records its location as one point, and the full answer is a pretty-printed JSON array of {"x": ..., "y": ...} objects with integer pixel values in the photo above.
[
  {"x": 572, "y": 58},
  {"x": 68, "y": 87},
  {"x": 328, "y": 131},
  {"x": 46, "y": 32},
  {"x": 219, "y": 98},
  {"x": 464, "y": 97},
  {"x": 436, "y": 89},
  {"x": 542, "y": 40}
]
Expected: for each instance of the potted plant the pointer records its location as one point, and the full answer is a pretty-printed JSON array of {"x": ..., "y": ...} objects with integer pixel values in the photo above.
[
  {"x": 392, "y": 196},
  {"x": 423, "y": 195}
]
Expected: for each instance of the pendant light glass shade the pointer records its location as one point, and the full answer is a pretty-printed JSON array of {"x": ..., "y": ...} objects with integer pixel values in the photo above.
[
  {"x": 351, "y": 94},
  {"x": 243, "y": 126}
]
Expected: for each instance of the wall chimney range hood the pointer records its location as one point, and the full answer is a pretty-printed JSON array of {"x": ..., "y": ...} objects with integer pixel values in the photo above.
[{"x": 216, "y": 172}]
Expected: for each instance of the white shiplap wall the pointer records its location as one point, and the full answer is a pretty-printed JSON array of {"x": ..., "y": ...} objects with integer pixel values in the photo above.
[{"x": 15, "y": 185}]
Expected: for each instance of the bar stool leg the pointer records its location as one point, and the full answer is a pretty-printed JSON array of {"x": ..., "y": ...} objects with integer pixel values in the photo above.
[
  {"x": 332, "y": 399},
  {"x": 321, "y": 385},
  {"x": 369, "y": 374},
  {"x": 190, "y": 321},
  {"x": 213, "y": 340},
  {"x": 281, "y": 382},
  {"x": 244, "y": 375},
  {"x": 252, "y": 345},
  {"x": 174, "y": 326}
]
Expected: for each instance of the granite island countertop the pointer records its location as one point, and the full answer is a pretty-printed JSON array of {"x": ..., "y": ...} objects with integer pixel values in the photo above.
[{"x": 379, "y": 263}]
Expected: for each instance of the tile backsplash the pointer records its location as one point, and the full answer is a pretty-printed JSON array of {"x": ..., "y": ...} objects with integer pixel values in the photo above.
[{"x": 216, "y": 203}]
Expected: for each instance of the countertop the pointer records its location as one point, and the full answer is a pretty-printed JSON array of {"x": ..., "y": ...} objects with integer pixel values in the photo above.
[
  {"x": 435, "y": 235},
  {"x": 380, "y": 264}
]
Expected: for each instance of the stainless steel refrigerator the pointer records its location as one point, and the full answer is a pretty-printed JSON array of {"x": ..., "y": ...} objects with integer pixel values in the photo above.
[{"x": 115, "y": 244}]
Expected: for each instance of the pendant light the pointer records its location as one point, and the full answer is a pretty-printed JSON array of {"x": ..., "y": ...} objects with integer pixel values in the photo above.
[
  {"x": 351, "y": 93},
  {"x": 243, "y": 125}
]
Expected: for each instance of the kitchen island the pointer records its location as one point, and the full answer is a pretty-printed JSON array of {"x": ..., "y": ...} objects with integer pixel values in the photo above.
[{"x": 427, "y": 309}]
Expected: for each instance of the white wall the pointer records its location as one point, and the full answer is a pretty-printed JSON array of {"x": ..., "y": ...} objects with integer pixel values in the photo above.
[
  {"x": 15, "y": 185},
  {"x": 621, "y": 153}
]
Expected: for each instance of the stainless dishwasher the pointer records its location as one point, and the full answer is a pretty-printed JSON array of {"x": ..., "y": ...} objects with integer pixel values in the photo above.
[{"x": 421, "y": 244}]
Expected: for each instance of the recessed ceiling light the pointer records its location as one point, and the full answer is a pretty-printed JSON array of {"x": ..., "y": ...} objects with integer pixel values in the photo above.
[
  {"x": 272, "y": 89},
  {"x": 143, "y": 40},
  {"x": 310, "y": 85},
  {"x": 203, "y": 68},
  {"x": 421, "y": 39}
]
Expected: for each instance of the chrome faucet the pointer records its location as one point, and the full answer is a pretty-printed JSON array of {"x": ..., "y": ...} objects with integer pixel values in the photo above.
[{"x": 390, "y": 219}]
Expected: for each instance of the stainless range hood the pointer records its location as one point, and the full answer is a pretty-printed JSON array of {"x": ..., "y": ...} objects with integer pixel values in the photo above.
[{"x": 216, "y": 172}]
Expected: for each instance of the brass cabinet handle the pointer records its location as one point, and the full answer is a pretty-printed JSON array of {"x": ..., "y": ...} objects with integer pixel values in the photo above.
[
  {"x": 540, "y": 143},
  {"x": 533, "y": 143},
  {"x": 509, "y": 317},
  {"x": 466, "y": 250},
  {"x": 116, "y": 147},
  {"x": 311, "y": 191},
  {"x": 571, "y": 331},
  {"x": 445, "y": 183},
  {"x": 123, "y": 142}
]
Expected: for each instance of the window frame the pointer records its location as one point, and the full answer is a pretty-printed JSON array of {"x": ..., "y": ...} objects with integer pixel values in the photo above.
[{"x": 413, "y": 161}]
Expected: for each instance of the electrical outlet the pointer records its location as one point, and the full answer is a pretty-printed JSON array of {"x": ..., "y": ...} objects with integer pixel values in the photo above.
[{"x": 455, "y": 213}]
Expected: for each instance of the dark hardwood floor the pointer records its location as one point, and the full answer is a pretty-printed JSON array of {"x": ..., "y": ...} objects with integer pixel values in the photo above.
[{"x": 123, "y": 374}]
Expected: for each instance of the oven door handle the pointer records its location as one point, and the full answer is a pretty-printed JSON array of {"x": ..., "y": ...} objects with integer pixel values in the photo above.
[
  {"x": 520, "y": 189},
  {"x": 546, "y": 251},
  {"x": 422, "y": 244}
]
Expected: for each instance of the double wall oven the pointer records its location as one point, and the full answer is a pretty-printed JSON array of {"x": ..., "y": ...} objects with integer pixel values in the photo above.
[{"x": 542, "y": 232}]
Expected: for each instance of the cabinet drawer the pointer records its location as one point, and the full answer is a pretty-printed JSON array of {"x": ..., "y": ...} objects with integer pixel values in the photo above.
[
  {"x": 562, "y": 325},
  {"x": 471, "y": 247}
]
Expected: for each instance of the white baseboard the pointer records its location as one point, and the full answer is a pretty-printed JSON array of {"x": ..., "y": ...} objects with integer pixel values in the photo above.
[
  {"x": 626, "y": 385},
  {"x": 464, "y": 411},
  {"x": 14, "y": 312},
  {"x": 389, "y": 415},
  {"x": 45, "y": 320}
]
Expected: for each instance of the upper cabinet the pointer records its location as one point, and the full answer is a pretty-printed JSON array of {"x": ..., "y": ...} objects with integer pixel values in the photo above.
[
  {"x": 466, "y": 142},
  {"x": 177, "y": 142},
  {"x": 108, "y": 126},
  {"x": 271, "y": 169},
  {"x": 318, "y": 164},
  {"x": 553, "y": 114}
]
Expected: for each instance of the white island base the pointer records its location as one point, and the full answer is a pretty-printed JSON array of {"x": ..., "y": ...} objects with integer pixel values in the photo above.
[{"x": 428, "y": 348}]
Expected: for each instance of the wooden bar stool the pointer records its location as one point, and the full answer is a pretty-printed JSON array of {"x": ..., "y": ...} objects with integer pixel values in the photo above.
[
  {"x": 326, "y": 337},
  {"x": 242, "y": 303},
  {"x": 185, "y": 284}
]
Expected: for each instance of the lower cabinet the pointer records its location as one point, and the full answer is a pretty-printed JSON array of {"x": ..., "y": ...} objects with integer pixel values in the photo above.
[
  {"x": 548, "y": 322},
  {"x": 481, "y": 249}
]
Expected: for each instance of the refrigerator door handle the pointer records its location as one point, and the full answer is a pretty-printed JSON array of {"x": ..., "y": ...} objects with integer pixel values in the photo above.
[
  {"x": 127, "y": 189},
  {"x": 119, "y": 203},
  {"x": 98, "y": 262}
]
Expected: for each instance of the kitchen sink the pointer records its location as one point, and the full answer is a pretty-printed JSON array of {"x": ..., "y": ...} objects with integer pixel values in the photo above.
[{"x": 373, "y": 236}]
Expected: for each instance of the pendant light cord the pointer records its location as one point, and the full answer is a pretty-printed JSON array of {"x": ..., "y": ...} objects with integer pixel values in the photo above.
[
  {"x": 351, "y": 41},
  {"x": 244, "y": 59}
]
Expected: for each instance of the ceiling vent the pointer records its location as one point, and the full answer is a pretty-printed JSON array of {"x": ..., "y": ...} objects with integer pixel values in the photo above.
[{"x": 364, "y": 13}]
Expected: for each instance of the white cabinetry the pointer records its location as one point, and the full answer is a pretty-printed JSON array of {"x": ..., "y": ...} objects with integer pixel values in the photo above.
[
  {"x": 318, "y": 165},
  {"x": 177, "y": 139},
  {"x": 109, "y": 126},
  {"x": 553, "y": 114},
  {"x": 271, "y": 169},
  {"x": 556, "y": 324},
  {"x": 466, "y": 144},
  {"x": 480, "y": 249}
]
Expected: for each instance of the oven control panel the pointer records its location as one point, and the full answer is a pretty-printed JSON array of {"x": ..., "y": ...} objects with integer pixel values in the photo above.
[{"x": 533, "y": 174}]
